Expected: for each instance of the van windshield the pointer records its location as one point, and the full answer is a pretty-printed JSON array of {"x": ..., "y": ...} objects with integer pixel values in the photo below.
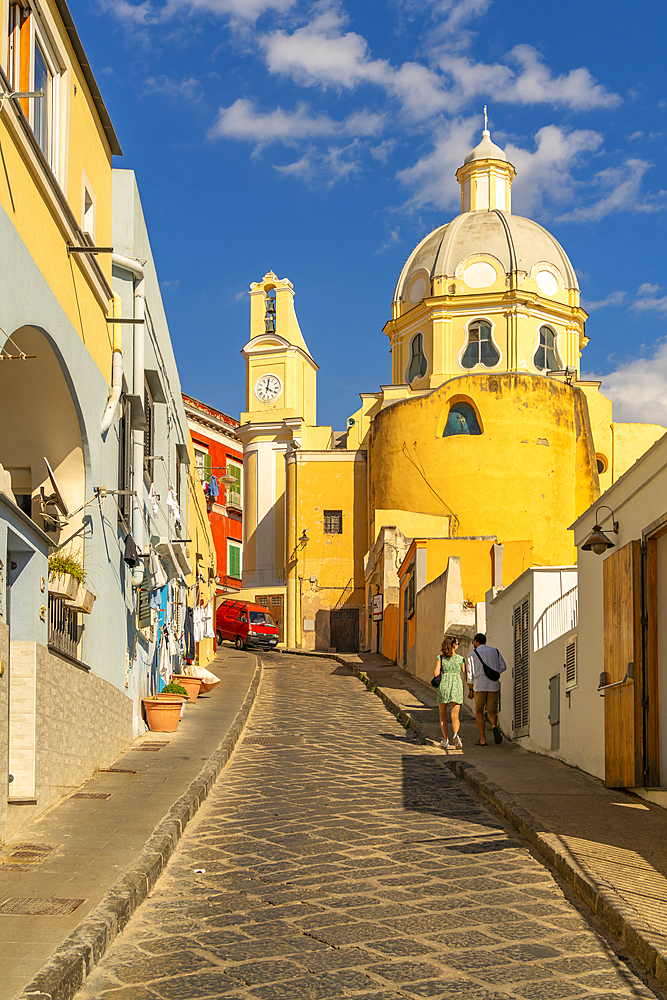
[{"x": 261, "y": 618}]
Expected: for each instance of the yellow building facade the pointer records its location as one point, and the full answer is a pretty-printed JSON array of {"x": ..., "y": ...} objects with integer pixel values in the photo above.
[{"x": 487, "y": 443}]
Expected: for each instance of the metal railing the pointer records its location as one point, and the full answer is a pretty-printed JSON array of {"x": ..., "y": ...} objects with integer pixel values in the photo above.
[
  {"x": 234, "y": 500},
  {"x": 559, "y": 617},
  {"x": 63, "y": 628},
  {"x": 263, "y": 578}
]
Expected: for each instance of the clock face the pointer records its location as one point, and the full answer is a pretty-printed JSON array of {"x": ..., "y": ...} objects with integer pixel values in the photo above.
[{"x": 268, "y": 388}]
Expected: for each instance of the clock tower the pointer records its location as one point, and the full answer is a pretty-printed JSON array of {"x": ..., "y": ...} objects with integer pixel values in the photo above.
[{"x": 280, "y": 404}]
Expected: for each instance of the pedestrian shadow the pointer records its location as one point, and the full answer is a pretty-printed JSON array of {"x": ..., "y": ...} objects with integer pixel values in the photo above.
[{"x": 430, "y": 789}]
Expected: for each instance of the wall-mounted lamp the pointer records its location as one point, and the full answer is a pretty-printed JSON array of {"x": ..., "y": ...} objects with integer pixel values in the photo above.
[
  {"x": 304, "y": 538},
  {"x": 597, "y": 540}
]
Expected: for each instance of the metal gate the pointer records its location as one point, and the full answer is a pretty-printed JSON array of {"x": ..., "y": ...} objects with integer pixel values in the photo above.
[
  {"x": 522, "y": 668},
  {"x": 345, "y": 630},
  {"x": 274, "y": 604}
]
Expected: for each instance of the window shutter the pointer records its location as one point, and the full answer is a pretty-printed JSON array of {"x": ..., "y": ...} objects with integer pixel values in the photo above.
[
  {"x": 235, "y": 562},
  {"x": 571, "y": 664},
  {"x": 411, "y": 594},
  {"x": 208, "y": 467},
  {"x": 522, "y": 668}
]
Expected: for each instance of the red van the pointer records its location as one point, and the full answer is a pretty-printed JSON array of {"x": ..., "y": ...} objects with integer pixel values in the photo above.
[{"x": 245, "y": 624}]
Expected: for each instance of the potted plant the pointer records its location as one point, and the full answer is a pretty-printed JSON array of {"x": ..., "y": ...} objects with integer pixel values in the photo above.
[
  {"x": 191, "y": 684},
  {"x": 163, "y": 714},
  {"x": 174, "y": 692},
  {"x": 65, "y": 574}
]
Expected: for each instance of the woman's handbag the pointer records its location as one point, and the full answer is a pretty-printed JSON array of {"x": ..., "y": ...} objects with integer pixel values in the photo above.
[{"x": 435, "y": 681}]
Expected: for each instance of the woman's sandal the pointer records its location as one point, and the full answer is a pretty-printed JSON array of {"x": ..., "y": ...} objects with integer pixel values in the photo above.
[{"x": 480, "y": 744}]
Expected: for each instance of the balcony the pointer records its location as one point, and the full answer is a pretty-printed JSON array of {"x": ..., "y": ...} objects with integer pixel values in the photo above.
[
  {"x": 559, "y": 617},
  {"x": 234, "y": 500}
]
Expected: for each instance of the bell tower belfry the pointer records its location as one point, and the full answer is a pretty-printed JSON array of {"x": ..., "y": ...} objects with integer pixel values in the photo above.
[{"x": 281, "y": 388}]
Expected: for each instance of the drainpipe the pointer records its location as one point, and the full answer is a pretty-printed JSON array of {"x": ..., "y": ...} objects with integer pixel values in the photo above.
[
  {"x": 135, "y": 267},
  {"x": 116, "y": 367}
]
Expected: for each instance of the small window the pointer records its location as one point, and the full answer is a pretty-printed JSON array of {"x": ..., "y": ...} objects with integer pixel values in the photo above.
[
  {"x": 333, "y": 522},
  {"x": 602, "y": 463},
  {"x": 88, "y": 220},
  {"x": 234, "y": 561},
  {"x": 418, "y": 364},
  {"x": 480, "y": 348},
  {"x": 546, "y": 358},
  {"x": 462, "y": 419},
  {"x": 571, "y": 664}
]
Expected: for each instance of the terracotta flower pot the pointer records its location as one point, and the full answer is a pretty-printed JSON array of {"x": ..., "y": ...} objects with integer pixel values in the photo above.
[
  {"x": 181, "y": 698},
  {"x": 162, "y": 715},
  {"x": 191, "y": 684},
  {"x": 83, "y": 600}
]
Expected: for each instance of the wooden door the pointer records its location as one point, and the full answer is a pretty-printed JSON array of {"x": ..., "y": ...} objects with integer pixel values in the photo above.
[
  {"x": 275, "y": 606},
  {"x": 345, "y": 630},
  {"x": 623, "y": 722}
]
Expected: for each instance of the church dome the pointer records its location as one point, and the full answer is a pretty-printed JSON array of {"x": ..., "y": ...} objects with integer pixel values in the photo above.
[
  {"x": 486, "y": 150},
  {"x": 517, "y": 243}
]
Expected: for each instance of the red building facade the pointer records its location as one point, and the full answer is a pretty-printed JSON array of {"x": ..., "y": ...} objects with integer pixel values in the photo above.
[{"x": 218, "y": 454}]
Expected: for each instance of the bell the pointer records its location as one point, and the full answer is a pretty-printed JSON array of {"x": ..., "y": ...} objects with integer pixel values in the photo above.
[
  {"x": 270, "y": 323},
  {"x": 271, "y": 306}
]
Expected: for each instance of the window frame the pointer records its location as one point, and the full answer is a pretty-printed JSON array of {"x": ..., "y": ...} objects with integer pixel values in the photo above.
[
  {"x": 467, "y": 343},
  {"x": 329, "y": 519},
  {"x": 412, "y": 357},
  {"x": 234, "y": 466},
  {"x": 125, "y": 461},
  {"x": 237, "y": 544},
  {"x": 540, "y": 345}
]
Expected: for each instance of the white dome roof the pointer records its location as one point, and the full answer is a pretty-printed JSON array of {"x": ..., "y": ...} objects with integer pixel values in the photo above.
[
  {"x": 516, "y": 242},
  {"x": 486, "y": 150}
]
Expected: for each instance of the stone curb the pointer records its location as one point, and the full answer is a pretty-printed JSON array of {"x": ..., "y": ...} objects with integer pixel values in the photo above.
[
  {"x": 601, "y": 898},
  {"x": 64, "y": 974}
]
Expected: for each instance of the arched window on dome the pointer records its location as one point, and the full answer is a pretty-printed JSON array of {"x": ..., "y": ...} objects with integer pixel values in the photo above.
[
  {"x": 546, "y": 357},
  {"x": 461, "y": 419},
  {"x": 418, "y": 365},
  {"x": 480, "y": 348}
]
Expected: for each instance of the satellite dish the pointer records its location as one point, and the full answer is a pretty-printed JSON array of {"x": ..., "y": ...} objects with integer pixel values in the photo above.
[{"x": 56, "y": 497}]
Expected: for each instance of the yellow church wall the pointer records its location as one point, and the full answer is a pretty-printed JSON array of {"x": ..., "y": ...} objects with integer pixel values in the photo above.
[
  {"x": 249, "y": 510},
  {"x": 515, "y": 479},
  {"x": 35, "y": 206},
  {"x": 315, "y": 438},
  {"x": 630, "y": 441},
  {"x": 411, "y": 523},
  {"x": 327, "y": 570},
  {"x": 279, "y": 529}
]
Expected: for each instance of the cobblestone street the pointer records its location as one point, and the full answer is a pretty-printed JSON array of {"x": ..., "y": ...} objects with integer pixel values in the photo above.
[{"x": 336, "y": 857}]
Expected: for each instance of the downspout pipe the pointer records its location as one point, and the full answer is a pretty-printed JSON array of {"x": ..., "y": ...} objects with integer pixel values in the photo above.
[
  {"x": 116, "y": 367},
  {"x": 136, "y": 269}
]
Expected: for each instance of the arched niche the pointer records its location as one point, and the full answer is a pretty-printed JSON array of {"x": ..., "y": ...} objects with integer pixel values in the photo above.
[
  {"x": 40, "y": 418},
  {"x": 461, "y": 418}
]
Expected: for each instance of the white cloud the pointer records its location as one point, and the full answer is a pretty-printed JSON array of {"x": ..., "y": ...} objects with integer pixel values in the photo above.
[
  {"x": 617, "y": 298},
  {"x": 324, "y": 167},
  {"x": 638, "y": 389},
  {"x": 621, "y": 193},
  {"x": 545, "y": 173},
  {"x": 243, "y": 121},
  {"x": 189, "y": 89},
  {"x": 235, "y": 10},
  {"x": 433, "y": 177},
  {"x": 391, "y": 240},
  {"x": 647, "y": 299}
]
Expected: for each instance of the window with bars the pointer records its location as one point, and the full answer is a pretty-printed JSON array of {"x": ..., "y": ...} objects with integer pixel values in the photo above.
[
  {"x": 149, "y": 433},
  {"x": 571, "y": 664},
  {"x": 333, "y": 522}
]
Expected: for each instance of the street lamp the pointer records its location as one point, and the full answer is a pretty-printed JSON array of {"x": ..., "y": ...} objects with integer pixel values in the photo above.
[{"x": 597, "y": 540}]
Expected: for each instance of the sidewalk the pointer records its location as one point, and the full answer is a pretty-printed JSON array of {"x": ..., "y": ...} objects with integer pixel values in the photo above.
[
  {"x": 102, "y": 855},
  {"x": 609, "y": 845}
]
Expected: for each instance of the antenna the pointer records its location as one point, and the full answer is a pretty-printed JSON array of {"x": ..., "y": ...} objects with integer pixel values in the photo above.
[
  {"x": 56, "y": 497},
  {"x": 486, "y": 120}
]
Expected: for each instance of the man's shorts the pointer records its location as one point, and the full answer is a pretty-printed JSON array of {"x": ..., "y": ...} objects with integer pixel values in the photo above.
[{"x": 486, "y": 700}]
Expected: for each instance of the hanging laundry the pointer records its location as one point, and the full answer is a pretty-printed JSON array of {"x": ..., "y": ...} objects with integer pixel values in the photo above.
[
  {"x": 154, "y": 499},
  {"x": 213, "y": 489},
  {"x": 209, "y": 632},
  {"x": 154, "y": 600},
  {"x": 173, "y": 504},
  {"x": 157, "y": 578},
  {"x": 132, "y": 556},
  {"x": 164, "y": 666},
  {"x": 189, "y": 634},
  {"x": 199, "y": 623}
]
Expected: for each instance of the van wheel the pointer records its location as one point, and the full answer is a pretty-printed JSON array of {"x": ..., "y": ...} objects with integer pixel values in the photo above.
[
  {"x": 238, "y": 642},
  {"x": 218, "y": 637}
]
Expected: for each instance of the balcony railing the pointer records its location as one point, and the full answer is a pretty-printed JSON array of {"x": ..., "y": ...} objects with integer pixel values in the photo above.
[
  {"x": 63, "y": 628},
  {"x": 559, "y": 617},
  {"x": 230, "y": 582},
  {"x": 234, "y": 500}
]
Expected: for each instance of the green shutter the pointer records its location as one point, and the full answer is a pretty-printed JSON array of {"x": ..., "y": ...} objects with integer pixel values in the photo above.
[
  {"x": 235, "y": 562},
  {"x": 208, "y": 468}
]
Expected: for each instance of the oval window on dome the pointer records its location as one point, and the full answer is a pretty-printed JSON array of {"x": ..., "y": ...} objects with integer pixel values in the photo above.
[
  {"x": 417, "y": 290},
  {"x": 547, "y": 282},
  {"x": 479, "y": 275}
]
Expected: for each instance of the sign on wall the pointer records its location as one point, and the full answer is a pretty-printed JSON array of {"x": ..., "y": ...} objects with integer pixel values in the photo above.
[{"x": 378, "y": 600}]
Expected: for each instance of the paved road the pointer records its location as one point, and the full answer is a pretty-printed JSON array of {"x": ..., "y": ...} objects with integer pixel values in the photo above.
[{"x": 341, "y": 860}]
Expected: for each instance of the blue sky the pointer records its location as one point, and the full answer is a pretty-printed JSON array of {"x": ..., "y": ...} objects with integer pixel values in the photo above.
[{"x": 320, "y": 140}]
